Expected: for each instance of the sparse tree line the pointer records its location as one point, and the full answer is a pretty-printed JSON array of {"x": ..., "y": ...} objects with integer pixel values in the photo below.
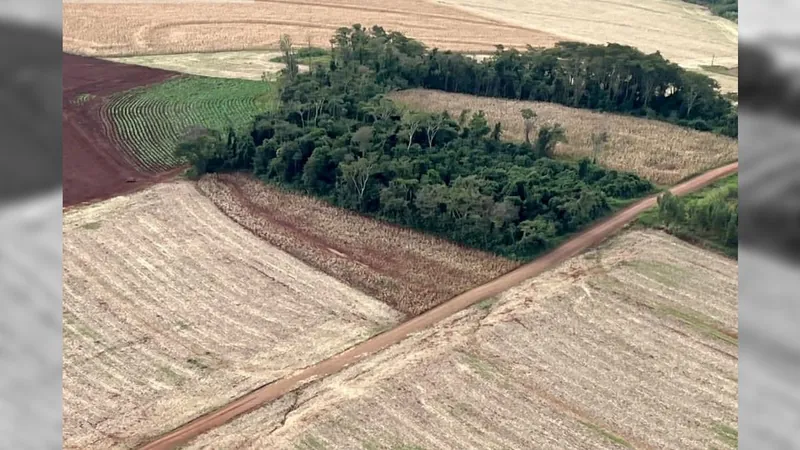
[
  {"x": 335, "y": 136},
  {"x": 613, "y": 77},
  {"x": 713, "y": 217}
]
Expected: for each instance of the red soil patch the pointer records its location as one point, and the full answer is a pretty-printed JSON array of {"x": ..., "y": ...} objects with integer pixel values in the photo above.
[{"x": 95, "y": 166}]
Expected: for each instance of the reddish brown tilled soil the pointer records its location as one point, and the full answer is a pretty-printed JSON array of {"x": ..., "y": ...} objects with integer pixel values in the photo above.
[{"x": 94, "y": 164}]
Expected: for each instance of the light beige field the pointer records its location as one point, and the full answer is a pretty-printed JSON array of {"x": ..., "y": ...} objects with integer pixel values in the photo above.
[
  {"x": 684, "y": 33},
  {"x": 171, "y": 309},
  {"x": 632, "y": 344},
  {"x": 658, "y": 151},
  {"x": 408, "y": 270},
  {"x": 130, "y": 29},
  {"x": 248, "y": 65}
]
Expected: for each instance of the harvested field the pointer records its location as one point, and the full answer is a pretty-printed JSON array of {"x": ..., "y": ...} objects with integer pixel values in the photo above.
[
  {"x": 684, "y": 33},
  {"x": 95, "y": 165},
  {"x": 632, "y": 344},
  {"x": 171, "y": 309},
  {"x": 246, "y": 65},
  {"x": 658, "y": 151},
  {"x": 407, "y": 270},
  {"x": 129, "y": 29}
]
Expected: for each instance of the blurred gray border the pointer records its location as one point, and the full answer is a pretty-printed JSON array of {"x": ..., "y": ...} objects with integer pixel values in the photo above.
[
  {"x": 769, "y": 254},
  {"x": 30, "y": 225}
]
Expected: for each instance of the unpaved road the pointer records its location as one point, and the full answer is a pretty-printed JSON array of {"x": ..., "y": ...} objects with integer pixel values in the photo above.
[{"x": 270, "y": 392}]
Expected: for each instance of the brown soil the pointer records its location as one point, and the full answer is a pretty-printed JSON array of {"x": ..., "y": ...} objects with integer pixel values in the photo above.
[
  {"x": 94, "y": 164},
  {"x": 273, "y": 391},
  {"x": 410, "y": 271}
]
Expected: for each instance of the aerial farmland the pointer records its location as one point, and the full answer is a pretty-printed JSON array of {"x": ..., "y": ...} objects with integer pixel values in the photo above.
[{"x": 283, "y": 230}]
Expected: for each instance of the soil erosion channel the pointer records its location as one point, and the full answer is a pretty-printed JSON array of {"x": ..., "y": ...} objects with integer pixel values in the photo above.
[{"x": 272, "y": 391}]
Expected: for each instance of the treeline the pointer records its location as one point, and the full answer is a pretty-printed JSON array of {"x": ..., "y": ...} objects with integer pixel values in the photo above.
[
  {"x": 728, "y": 9},
  {"x": 335, "y": 136},
  {"x": 611, "y": 77},
  {"x": 711, "y": 216}
]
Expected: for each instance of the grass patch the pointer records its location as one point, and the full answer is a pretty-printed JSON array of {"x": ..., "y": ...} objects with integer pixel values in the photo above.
[
  {"x": 308, "y": 56},
  {"x": 486, "y": 304},
  {"x": 152, "y": 120},
  {"x": 91, "y": 226},
  {"x": 728, "y": 435},
  {"x": 482, "y": 367},
  {"x": 699, "y": 324},
  {"x": 83, "y": 98},
  {"x": 606, "y": 434},
  {"x": 722, "y": 70}
]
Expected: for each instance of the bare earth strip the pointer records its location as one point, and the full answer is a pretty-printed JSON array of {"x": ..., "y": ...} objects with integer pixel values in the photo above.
[
  {"x": 658, "y": 151},
  {"x": 341, "y": 361},
  {"x": 129, "y": 29},
  {"x": 410, "y": 271},
  {"x": 631, "y": 343},
  {"x": 684, "y": 33},
  {"x": 247, "y": 65},
  {"x": 171, "y": 309}
]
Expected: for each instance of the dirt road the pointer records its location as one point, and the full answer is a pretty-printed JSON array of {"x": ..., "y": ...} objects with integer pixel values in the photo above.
[{"x": 259, "y": 397}]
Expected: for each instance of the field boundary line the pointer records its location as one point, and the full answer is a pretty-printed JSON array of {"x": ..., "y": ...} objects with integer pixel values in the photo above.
[{"x": 272, "y": 391}]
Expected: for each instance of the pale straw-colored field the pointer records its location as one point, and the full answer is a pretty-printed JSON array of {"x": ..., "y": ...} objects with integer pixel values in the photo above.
[
  {"x": 171, "y": 309},
  {"x": 658, "y": 151},
  {"x": 631, "y": 345}
]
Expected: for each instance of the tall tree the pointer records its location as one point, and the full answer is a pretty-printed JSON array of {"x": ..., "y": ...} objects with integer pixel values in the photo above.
[{"x": 529, "y": 120}]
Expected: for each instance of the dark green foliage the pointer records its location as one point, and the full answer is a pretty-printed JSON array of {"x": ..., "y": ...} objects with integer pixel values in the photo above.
[
  {"x": 613, "y": 77},
  {"x": 336, "y": 137},
  {"x": 709, "y": 216},
  {"x": 728, "y": 9}
]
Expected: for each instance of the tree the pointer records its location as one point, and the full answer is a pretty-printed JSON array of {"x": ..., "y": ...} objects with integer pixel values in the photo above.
[
  {"x": 357, "y": 174},
  {"x": 433, "y": 123},
  {"x": 599, "y": 143},
  {"x": 529, "y": 118},
  {"x": 411, "y": 122},
  {"x": 548, "y": 138},
  {"x": 497, "y": 131},
  {"x": 363, "y": 139},
  {"x": 292, "y": 69}
]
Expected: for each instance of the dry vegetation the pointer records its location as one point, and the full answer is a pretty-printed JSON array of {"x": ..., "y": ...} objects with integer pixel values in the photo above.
[
  {"x": 127, "y": 29},
  {"x": 247, "y": 65},
  {"x": 171, "y": 309},
  {"x": 632, "y": 344},
  {"x": 658, "y": 151},
  {"x": 684, "y": 33},
  {"x": 409, "y": 271}
]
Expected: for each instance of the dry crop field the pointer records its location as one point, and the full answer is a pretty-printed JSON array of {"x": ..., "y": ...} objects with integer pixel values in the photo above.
[
  {"x": 128, "y": 29},
  {"x": 171, "y": 309},
  {"x": 632, "y": 344},
  {"x": 246, "y": 65},
  {"x": 658, "y": 151},
  {"x": 684, "y": 33},
  {"x": 409, "y": 271}
]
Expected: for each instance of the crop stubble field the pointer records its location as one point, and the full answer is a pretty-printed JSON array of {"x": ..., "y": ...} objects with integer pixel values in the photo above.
[
  {"x": 658, "y": 151},
  {"x": 128, "y": 29},
  {"x": 409, "y": 271},
  {"x": 632, "y": 344},
  {"x": 684, "y": 33},
  {"x": 170, "y": 309},
  {"x": 96, "y": 162}
]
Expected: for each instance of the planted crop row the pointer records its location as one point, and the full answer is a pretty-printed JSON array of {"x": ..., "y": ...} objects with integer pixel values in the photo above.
[{"x": 151, "y": 121}]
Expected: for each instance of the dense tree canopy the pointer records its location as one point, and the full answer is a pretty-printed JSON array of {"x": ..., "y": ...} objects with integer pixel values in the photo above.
[
  {"x": 611, "y": 77},
  {"x": 335, "y": 136}
]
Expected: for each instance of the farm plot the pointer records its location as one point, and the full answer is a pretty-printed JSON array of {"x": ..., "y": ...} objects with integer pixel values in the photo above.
[
  {"x": 171, "y": 309},
  {"x": 130, "y": 29},
  {"x": 684, "y": 33},
  {"x": 152, "y": 120},
  {"x": 631, "y": 345},
  {"x": 407, "y": 270},
  {"x": 246, "y": 65},
  {"x": 94, "y": 163},
  {"x": 658, "y": 151}
]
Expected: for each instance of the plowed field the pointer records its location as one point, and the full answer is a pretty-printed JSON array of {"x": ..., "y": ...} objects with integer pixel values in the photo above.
[
  {"x": 95, "y": 165},
  {"x": 407, "y": 270},
  {"x": 172, "y": 309},
  {"x": 631, "y": 345}
]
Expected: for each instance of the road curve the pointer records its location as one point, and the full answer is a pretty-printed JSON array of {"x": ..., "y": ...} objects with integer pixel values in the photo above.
[{"x": 275, "y": 390}]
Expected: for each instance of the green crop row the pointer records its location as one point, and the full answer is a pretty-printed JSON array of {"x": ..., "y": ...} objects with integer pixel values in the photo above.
[{"x": 151, "y": 121}]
